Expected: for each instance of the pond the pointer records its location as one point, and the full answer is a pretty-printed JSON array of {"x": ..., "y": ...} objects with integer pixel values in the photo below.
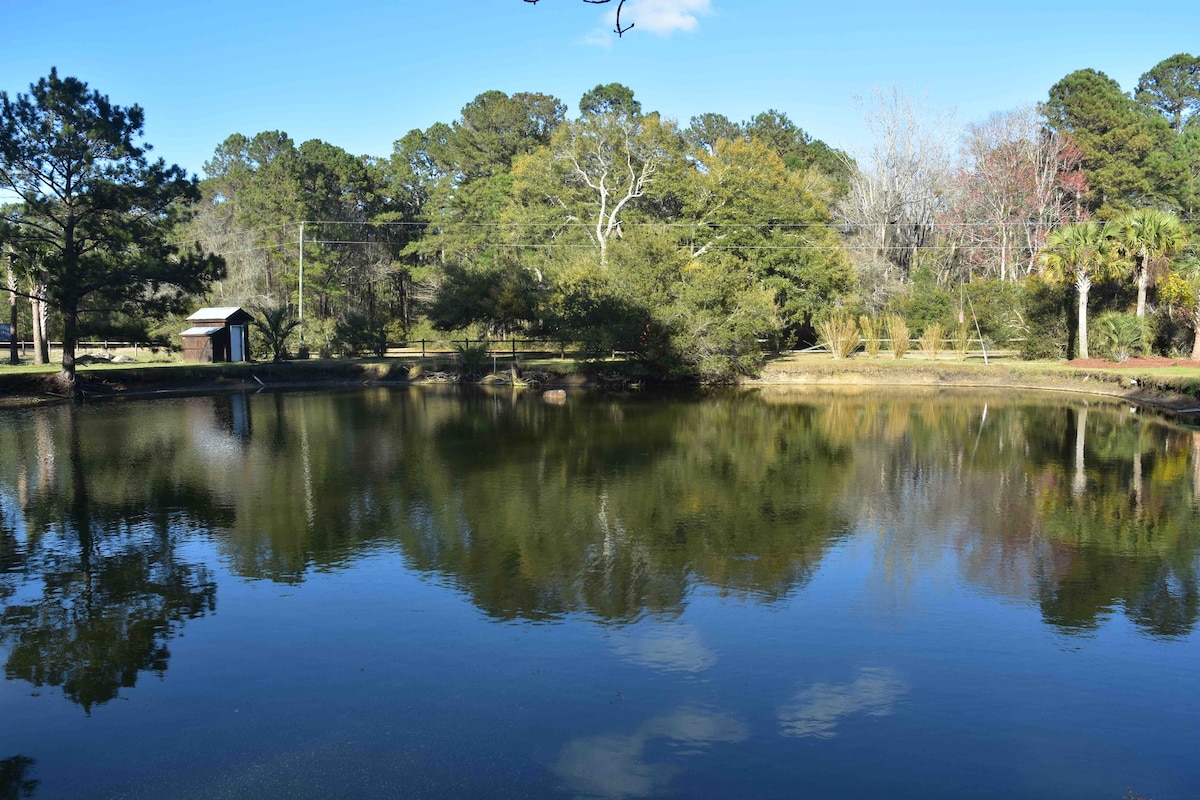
[{"x": 415, "y": 593}]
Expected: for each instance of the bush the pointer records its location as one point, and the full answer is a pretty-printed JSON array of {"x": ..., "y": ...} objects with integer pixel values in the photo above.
[
  {"x": 926, "y": 303},
  {"x": 272, "y": 330},
  {"x": 962, "y": 340},
  {"x": 316, "y": 335},
  {"x": 1172, "y": 335},
  {"x": 1041, "y": 320},
  {"x": 472, "y": 358},
  {"x": 357, "y": 334},
  {"x": 1117, "y": 336},
  {"x": 993, "y": 303}
]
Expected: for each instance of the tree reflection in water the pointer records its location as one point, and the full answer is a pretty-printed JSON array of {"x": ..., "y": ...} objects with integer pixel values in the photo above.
[
  {"x": 610, "y": 508},
  {"x": 14, "y": 778},
  {"x": 112, "y": 590},
  {"x": 1083, "y": 513}
]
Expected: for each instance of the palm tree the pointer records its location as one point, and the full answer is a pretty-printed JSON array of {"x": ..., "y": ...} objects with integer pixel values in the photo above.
[
  {"x": 275, "y": 326},
  {"x": 1149, "y": 238},
  {"x": 1078, "y": 252}
]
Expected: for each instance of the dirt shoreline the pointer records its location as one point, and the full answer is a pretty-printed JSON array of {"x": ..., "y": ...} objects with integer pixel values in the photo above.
[{"x": 1125, "y": 381}]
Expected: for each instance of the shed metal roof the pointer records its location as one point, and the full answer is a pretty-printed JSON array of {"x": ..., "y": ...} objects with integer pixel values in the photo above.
[
  {"x": 201, "y": 331},
  {"x": 220, "y": 312}
]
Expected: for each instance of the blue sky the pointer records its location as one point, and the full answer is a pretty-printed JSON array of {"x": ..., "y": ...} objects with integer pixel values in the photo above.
[{"x": 359, "y": 74}]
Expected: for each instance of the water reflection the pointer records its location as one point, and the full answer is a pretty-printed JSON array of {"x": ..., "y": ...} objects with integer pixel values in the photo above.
[
  {"x": 613, "y": 509},
  {"x": 15, "y": 780},
  {"x": 95, "y": 589},
  {"x": 619, "y": 765},
  {"x": 674, "y": 648},
  {"x": 1084, "y": 512},
  {"x": 817, "y": 710}
]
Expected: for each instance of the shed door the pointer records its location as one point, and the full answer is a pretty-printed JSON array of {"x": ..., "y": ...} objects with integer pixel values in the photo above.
[{"x": 237, "y": 341}]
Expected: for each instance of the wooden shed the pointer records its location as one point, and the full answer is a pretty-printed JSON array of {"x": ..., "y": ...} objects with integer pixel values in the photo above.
[{"x": 218, "y": 334}]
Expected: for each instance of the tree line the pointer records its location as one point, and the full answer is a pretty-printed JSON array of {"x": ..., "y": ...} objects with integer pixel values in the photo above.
[{"x": 688, "y": 247}]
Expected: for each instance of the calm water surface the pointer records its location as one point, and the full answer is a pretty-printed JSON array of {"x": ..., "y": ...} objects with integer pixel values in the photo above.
[{"x": 428, "y": 594}]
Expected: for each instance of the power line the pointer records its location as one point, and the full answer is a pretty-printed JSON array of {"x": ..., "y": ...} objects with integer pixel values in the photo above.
[{"x": 830, "y": 248}]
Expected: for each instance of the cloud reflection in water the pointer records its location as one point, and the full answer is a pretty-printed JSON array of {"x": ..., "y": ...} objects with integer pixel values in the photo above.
[
  {"x": 676, "y": 648},
  {"x": 817, "y": 710},
  {"x": 615, "y": 766}
]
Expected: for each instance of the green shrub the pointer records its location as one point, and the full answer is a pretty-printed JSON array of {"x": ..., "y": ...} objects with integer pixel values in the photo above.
[
  {"x": 991, "y": 305},
  {"x": 472, "y": 358},
  {"x": 926, "y": 303},
  {"x": 316, "y": 335},
  {"x": 357, "y": 334},
  {"x": 1041, "y": 321},
  {"x": 1171, "y": 333},
  {"x": 1117, "y": 336},
  {"x": 273, "y": 328}
]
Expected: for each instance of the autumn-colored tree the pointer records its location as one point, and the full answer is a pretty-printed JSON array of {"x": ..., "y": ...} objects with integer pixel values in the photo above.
[{"x": 1020, "y": 181}]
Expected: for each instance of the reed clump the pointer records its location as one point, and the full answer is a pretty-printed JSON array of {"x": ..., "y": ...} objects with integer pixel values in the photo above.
[
  {"x": 872, "y": 340},
  {"x": 897, "y": 331},
  {"x": 930, "y": 341},
  {"x": 962, "y": 341},
  {"x": 839, "y": 333}
]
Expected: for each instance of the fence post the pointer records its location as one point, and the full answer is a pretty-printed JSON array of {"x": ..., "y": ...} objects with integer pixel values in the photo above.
[{"x": 422, "y": 348}]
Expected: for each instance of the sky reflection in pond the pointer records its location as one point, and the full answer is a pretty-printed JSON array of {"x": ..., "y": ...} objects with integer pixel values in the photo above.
[
  {"x": 816, "y": 710},
  {"x": 444, "y": 594}
]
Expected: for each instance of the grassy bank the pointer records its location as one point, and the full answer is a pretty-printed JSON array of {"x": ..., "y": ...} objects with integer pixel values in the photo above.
[{"x": 1172, "y": 386}]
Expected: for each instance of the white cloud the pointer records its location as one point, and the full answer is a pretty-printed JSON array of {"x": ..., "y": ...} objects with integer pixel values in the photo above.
[
  {"x": 659, "y": 17},
  {"x": 601, "y": 37},
  {"x": 664, "y": 17}
]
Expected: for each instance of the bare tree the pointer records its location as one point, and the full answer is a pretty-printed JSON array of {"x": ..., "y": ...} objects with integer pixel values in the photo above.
[
  {"x": 247, "y": 259},
  {"x": 898, "y": 186}
]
